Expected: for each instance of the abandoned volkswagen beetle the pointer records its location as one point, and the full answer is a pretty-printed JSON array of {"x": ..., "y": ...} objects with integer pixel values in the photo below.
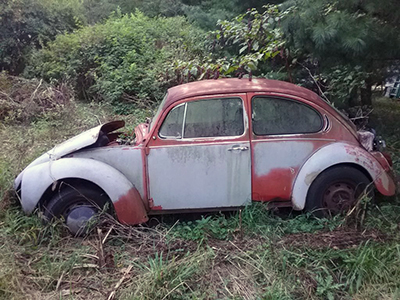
[{"x": 212, "y": 145}]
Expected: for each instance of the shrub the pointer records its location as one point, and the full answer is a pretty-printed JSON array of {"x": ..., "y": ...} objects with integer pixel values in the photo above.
[{"x": 121, "y": 60}]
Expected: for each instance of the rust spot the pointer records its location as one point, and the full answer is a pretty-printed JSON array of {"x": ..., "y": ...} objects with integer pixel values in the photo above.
[
  {"x": 276, "y": 184},
  {"x": 130, "y": 208}
]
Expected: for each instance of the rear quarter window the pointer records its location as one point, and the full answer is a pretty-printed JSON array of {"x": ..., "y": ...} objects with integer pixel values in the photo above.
[{"x": 283, "y": 116}]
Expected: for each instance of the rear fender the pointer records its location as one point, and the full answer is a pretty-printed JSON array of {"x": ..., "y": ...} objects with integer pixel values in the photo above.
[
  {"x": 334, "y": 154},
  {"x": 126, "y": 200}
]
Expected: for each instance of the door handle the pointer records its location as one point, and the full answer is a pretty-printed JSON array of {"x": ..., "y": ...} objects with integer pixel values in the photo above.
[{"x": 238, "y": 148}]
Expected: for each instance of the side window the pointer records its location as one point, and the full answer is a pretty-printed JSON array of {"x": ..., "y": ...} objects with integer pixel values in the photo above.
[
  {"x": 214, "y": 117},
  {"x": 280, "y": 116},
  {"x": 172, "y": 126}
]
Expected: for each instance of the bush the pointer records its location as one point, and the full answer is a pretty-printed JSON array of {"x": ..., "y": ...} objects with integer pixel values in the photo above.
[{"x": 121, "y": 60}]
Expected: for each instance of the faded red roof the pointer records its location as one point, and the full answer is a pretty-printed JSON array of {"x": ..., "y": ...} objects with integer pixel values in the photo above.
[
  {"x": 244, "y": 85},
  {"x": 236, "y": 85}
]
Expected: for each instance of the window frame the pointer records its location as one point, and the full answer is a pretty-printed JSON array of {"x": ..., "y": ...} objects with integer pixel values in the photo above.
[
  {"x": 183, "y": 126},
  {"x": 217, "y": 97},
  {"x": 289, "y": 100}
]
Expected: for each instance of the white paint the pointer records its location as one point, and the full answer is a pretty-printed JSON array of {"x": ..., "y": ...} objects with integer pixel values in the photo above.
[
  {"x": 269, "y": 155},
  {"x": 125, "y": 159},
  {"x": 326, "y": 157},
  {"x": 200, "y": 176},
  {"x": 38, "y": 178},
  {"x": 71, "y": 145}
]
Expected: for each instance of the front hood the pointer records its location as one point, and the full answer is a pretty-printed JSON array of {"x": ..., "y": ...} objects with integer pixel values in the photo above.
[
  {"x": 83, "y": 140},
  {"x": 88, "y": 138}
]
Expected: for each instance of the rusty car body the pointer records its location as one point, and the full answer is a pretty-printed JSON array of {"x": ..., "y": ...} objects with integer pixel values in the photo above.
[{"x": 212, "y": 145}]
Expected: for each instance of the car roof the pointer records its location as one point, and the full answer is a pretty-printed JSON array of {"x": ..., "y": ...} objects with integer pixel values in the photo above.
[
  {"x": 245, "y": 85},
  {"x": 236, "y": 85}
]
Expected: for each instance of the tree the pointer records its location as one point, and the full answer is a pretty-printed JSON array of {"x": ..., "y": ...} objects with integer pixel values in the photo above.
[
  {"x": 357, "y": 37},
  {"x": 337, "y": 48},
  {"x": 30, "y": 24},
  {"x": 238, "y": 47}
]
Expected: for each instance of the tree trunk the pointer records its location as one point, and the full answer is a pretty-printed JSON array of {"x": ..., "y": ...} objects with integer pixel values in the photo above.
[
  {"x": 353, "y": 97},
  {"x": 366, "y": 93}
]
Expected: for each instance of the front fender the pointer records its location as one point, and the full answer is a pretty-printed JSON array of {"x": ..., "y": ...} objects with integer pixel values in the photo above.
[
  {"x": 339, "y": 153},
  {"x": 127, "y": 202}
]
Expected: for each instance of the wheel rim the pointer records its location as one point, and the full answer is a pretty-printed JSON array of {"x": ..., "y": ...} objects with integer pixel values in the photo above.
[
  {"x": 78, "y": 218},
  {"x": 339, "y": 197}
]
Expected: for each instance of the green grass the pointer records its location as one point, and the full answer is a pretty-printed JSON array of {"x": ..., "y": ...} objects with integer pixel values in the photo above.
[{"x": 252, "y": 254}]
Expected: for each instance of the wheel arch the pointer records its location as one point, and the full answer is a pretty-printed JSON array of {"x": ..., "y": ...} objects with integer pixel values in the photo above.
[
  {"x": 51, "y": 191},
  {"x": 352, "y": 165},
  {"x": 339, "y": 154},
  {"x": 126, "y": 200}
]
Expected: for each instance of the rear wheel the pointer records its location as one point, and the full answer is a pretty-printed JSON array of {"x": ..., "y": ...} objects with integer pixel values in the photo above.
[
  {"x": 76, "y": 206},
  {"x": 337, "y": 190}
]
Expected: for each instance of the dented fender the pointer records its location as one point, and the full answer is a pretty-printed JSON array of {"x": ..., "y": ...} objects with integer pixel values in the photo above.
[
  {"x": 334, "y": 154},
  {"x": 127, "y": 202}
]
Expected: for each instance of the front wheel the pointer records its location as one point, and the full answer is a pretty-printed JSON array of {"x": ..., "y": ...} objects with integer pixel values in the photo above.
[
  {"x": 337, "y": 190},
  {"x": 76, "y": 206}
]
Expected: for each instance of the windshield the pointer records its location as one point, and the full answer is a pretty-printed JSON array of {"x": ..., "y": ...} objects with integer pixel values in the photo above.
[{"x": 159, "y": 110}]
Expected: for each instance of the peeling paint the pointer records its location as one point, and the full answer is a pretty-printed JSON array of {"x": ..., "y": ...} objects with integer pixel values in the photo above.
[
  {"x": 127, "y": 160},
  {"x": 282, "y": 154},
  {"x": 340, "y": 153},
  {"x": 198, "y": 176},
  {"x": 310, "y": 177},
  {"x": 276, "y": 164}
]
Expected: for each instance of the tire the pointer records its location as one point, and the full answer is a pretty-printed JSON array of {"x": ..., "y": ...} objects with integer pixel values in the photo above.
[
  {"x": 337, "y": 190},
  {"x": 76, "y": 206}
]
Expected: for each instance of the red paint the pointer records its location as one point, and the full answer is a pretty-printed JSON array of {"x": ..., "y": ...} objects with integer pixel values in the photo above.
[
  {"x": 277, "y": 184},
  {"x": 235, "y": 85},
  {"x": 388, "y": 158},
  {"x": 384, "y": 159},
  {"x": 387, "y": 190},
  {"x": 375, "y": 163},
  {"x": 158, "y": 207},
  {"x": 130, "y": 209},
  {"x": 152, "y": 207}
]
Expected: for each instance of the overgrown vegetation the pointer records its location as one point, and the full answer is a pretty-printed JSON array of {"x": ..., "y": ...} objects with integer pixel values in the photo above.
[
  {"x": 122, "y": 51},
  {"x": 122, "y": 61}
]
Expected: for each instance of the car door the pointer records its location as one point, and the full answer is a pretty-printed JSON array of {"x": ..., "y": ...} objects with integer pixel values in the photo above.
[
  {"x": 286, "y": 130},
  {"x": 199, "y": 155}
]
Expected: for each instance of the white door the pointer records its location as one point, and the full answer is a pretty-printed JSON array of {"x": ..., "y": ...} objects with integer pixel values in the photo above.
[{"x": 200, "y": 157}]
